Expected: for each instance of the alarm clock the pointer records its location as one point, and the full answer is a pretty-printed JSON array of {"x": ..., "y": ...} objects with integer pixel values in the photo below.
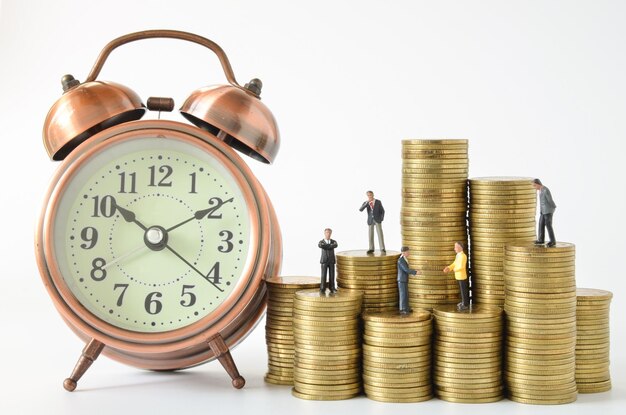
[{"x": 155, "y": 236}]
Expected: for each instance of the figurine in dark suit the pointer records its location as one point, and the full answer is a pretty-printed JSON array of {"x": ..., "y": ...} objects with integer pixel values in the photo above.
[
  {"x": 328, "y": 261},
  {"x": 375, "y": 216},
  {"x": 546, "y": 210},
  {"x": 403, "y": 279}
]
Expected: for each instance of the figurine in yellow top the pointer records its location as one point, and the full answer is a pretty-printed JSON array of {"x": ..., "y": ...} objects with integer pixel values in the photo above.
[{"x": 459, "y": 266}]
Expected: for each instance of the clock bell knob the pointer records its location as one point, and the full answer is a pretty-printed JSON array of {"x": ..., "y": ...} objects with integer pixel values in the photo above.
[
  {"x": 68, "y": 82},
  {"x": 255, "y": 85}
]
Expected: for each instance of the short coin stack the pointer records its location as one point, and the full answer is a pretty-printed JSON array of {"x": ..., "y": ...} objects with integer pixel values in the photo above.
[
  {"x": 279, "y": 326},
  {"x": 501, "y": 210},
  {"x": 468, "y": 354},
  {"x": 540, "y": 308},
  {"x": 328, "y": 345},
  {"x": 433, "y": 215},
  {"x": 592, "y": 340},
  {"x": 373, "y": 274},
  {"x": 397, "y": 356}
]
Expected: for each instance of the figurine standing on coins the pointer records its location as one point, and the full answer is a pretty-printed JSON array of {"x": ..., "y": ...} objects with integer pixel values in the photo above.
[
  {"x": 403, "y": 279},
  {"x": 328, "y": 261},
  {"x": 375, "y": 217},
  {"x": 459, "y": 266},
  {"x": 546, "y": 210}
]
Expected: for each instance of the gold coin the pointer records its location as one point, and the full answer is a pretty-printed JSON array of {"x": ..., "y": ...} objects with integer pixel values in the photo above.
[
  {"x": 322, "y": 397},
  {"x": 400, "y": 384},
  {"x": 301, "y": 364},
  {"x": 278, "y": 380},
  {"x": 293, "y": 282}
]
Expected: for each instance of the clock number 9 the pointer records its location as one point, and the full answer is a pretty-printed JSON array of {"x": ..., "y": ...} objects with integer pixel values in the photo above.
[
  {"x": 229, "y": 245},
  {"x": 152, "y": 305},
  {"x": 90, "y": 235},
  {"x": 97, "y": 273}
]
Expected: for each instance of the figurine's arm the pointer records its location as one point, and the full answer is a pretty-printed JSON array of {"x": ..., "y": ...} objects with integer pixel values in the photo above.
[
  {"x": 382, "y": 211},
  {"x": 321, "y": 244},
  {"x": 549, "y": 199},
  {"x": 333, "y": 244},
  {"x": 363, "y": 206}
]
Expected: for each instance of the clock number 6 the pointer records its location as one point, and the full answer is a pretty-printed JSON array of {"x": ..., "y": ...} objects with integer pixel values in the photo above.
[
  {"x": 229, "y": 245},
  {"x": 152, "y": 305}
]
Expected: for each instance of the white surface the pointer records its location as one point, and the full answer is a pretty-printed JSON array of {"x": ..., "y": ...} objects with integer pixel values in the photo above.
[{"x": 537, "y": 87}]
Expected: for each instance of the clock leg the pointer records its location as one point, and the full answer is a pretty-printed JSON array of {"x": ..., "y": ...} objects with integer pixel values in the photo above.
[
  {"x": 216, "y": 343},
  {"x": 90, "y": 353}
]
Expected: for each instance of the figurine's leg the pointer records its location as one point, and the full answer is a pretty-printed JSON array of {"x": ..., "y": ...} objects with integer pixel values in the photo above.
[
  {"x": 550, "y": 229},
  {"x": 541, "y": 230},
  {"x": 371, "y": 237},
  {"x": 323, "y": 279},
  {"x": 216, "y": 343},
  {"x": 90, "y": 353},
  {"x": 331, "y": 278},
  {"x": 381, "y": 237}
]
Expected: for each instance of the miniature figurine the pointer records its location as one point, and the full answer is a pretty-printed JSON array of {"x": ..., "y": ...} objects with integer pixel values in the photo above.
[
  {"x": 403, "y": 279},
  {"x": 546, "y": 210},
  {"x": 375, "y": 216},
  {"x": 328, "y": 261},
  {"x": 459, "y": 266}
]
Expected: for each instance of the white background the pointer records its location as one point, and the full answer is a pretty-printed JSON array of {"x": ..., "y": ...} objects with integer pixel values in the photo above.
[{"x": 538, "y": 87}]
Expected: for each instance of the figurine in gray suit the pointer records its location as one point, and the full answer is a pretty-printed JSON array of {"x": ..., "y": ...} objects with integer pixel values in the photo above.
[
  {"x": 375, "y": 216},
  {"x": 403, "y": 279},
  {"x": 328, "y": 261},
  {"x": 546, "y": 210}
]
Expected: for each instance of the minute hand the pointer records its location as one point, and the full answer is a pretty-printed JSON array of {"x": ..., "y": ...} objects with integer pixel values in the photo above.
[
  {"x": 192, "y": 267},
  {"x": 204, "y": 212}
]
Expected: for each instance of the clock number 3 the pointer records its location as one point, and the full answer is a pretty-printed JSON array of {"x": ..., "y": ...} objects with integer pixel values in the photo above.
[{"x": 228, "y": 235}]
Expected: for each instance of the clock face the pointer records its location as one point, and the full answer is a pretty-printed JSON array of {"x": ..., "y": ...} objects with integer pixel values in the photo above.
[{"x": 152, "y": 234}]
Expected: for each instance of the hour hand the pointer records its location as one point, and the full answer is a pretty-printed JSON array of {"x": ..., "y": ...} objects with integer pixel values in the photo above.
[
  {"x": 129, "y": 216},
  {"x": 215, "y": 203}
]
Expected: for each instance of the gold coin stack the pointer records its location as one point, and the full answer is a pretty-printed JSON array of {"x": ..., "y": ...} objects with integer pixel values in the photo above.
[
  {"x": 592, "y": 340},
  {"x": 396, "y": 356},
  {"x": 433, "y": 215},
  {"x": 328, "y": 345},
  {"x": 373, "y": 274},
  {"x": 501, "y": 210},
  {"x": 540, "y": 309},
  {"x": 279, "y": 325},
  {"x": 468, "y": 354}
]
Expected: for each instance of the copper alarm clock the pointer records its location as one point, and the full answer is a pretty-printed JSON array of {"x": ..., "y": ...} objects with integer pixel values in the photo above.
[{"x": 155, "y": 236}]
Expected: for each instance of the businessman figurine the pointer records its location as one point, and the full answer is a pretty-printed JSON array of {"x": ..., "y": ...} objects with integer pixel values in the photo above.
[
  {"x": 328, "y": 261},
  {"x": 403, "y": 279},
  {"x": 375, "y": 216},
  {"x": 459, "y": 266},
  {"x": 546, "y": 210}
]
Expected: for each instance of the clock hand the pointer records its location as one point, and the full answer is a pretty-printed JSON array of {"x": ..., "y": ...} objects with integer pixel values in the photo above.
[
  {"x": 129, "y": 216},
  {"x": 191, "y": 266},
  {"x": 126, "y": 255},
  {"x": 204, "y": 212}
]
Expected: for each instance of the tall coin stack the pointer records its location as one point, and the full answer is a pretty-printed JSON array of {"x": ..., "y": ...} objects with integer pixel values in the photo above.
[
  {"x": 592, "y": 340},
  {"x": 433, "y": 215},
  {"x": 328, "y": 345},
  {"x": 373, "y": 274},
  {"x": 501, "y": 210},
  {"x": 468, "y": 354},
  {"x": 397, "y": 356},
  {"x": 540, "y": 309},
  {"x": 279, "y": 326}
]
